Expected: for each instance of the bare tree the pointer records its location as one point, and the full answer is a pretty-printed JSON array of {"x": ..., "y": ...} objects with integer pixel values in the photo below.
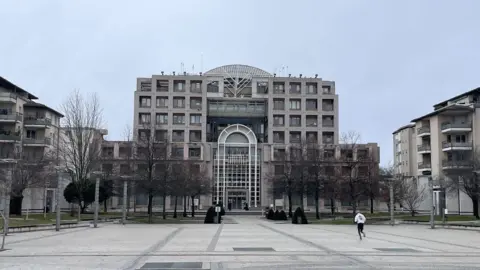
[
  {"x": 152, "y": 155},
  {"x": 199, "y": 183},
  {"x": 413, "y": 195},
  {"x": 353, "y": 168},
  {"x": 282, "y": 178},
  {"x": 464, "y": 175},
  {"x": 387, "y": 178},
  {"x": 80, "y": 141}
]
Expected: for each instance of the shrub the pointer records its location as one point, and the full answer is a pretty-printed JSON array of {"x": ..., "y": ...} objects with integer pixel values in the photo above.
[
  {"x": 283, "y": 215},
  {"x": 276, "y": 216},
  {"x": 299, "y": 214},
  {"x": 210, "y": 216},
  {"x": 270, "y": 214}
]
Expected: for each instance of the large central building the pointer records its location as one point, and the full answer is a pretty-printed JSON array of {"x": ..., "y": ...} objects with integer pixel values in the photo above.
[{"x": 236, "y": 119}]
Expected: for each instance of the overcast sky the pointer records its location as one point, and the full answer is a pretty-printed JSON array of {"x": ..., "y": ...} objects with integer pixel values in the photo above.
[{"x": 391, "y": 60}]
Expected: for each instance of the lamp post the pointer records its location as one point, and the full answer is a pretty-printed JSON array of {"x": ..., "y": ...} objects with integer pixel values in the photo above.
[
  {"x": 392, "y": 215},
  {"x": 432, "y": 208},
  {"x": 97, "y": 194},
  {"x": 57, "y": 199},
  {"x": 124, "y": 205}
]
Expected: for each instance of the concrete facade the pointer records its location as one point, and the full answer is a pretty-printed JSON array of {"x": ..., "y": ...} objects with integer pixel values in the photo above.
[
  {"x": 29, "y": 131},
  {"x": 439, "y": 142}
]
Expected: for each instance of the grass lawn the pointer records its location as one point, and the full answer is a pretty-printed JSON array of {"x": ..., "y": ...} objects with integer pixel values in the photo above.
[
  {"x": 426, "y": 218},
  {"x": 169, "y": 220}
]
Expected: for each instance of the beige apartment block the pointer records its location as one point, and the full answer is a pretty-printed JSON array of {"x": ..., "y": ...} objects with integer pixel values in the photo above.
[
  {"x": 440, "y": 141},
  {"x": 236, "y": 119},
  {"x": 30, "y": 131}
]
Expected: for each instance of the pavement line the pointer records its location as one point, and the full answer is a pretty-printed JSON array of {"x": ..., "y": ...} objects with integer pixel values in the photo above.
[
  {"x": 161, "y": 243},
  {"x": 380, "y": 239},
  {"x": 328, "y": 250},
  {"x": 427, "y": 240},
  {"x": 213, "y": 243}
]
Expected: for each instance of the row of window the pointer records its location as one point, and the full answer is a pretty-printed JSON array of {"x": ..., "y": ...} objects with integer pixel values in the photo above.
[
  {"x": 296, "y": 104},
  {"x": 262, "y": 87},
  {"x": 296, "y": 137},
  {"x": 162, "y": 119},
  {"x": 162, "y": 102},
  {"x": 310, "y": 120},
  {"x": 176, "y": 136}
]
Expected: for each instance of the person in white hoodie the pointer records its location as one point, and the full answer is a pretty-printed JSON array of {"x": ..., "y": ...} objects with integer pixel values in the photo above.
[{"x": 360, "y": 220}]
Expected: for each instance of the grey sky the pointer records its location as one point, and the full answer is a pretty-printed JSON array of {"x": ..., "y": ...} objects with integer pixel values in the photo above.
[{"x": 391, "y": 60}]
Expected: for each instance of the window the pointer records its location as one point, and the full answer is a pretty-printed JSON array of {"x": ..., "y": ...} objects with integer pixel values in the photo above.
[
  {"x": 279, "y": 154},
  {"x": 279, "y": 87},
  {"x": 328, "y": 153},
  {"x": 326, "y": 89},
  {"x": 146, "y": 86},
  {"x": 311, "y": 121},
  {"x": 144, "y": 134},
  {"x": 31, "y": 134},
  {"x": 327, "y": 137},
  {"x": 162, "y": 86},
  {"x": 178, "y": 102},
  {"x": 295, "y": 120},
  {"x": 194, "y": 152},
  {"x": 161, "y": 118},
  {"x": 295, "y": 88},
  {"x": 279, "y": 169},
  {"x": 144, "y": 118},
  {"x": 179, "y": 86},
  {"x": 278, "y": 104},
  {"x": 327, "y": 121},
  {"x": 195, "y": 103},
  {"x": 177, "y": 152},
  {"x": 178, "y": 136},
  {"x": 145, "y": 102},
  {"x": 196, "y": 86},
  {"x": 327, "y": 105},
  {"x": 212, "y": 87},
  {"x": 279, "y": 120},
  {"x": 278, "y": 137},
  {"x": 311, "y": 105},
  {"x": 295, "y": 104},
  {"x": 160, "y": 135},
  {"x": 195, "y": 119},
  {"x": 178, "y": 118},
  {"x": 195, "y": 136},
  {"x": 162, "y": 102},
  {"x": 312, "y": 137},
  {"x": 312, "y": 88},
  {"x": 295, "y": 137}
]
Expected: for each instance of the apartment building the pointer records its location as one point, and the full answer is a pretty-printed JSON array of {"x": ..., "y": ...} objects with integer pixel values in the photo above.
[
  {"x": 237, "y": 119},
  {"x": 30, "y": 131},
  {"x": 439, "y": 142}
]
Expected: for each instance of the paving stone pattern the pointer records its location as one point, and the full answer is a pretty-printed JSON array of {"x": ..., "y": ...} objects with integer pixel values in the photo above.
[{"x": 245, "y": 242}]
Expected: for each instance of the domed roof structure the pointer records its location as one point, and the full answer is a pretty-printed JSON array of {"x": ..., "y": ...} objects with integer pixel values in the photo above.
[
  {"x": 236, "y": 78},
  {"x": 238, "y": 71}
]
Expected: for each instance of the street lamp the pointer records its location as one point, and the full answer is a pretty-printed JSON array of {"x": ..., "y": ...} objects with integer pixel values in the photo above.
[
  {"x": 57, "y": 199},
  {"x": 124, "y": 206},
  {"x": 97, "y": 193}
]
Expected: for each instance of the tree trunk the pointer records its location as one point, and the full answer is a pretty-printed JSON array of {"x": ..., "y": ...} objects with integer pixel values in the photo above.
[
  {"x": 290, "y": 214},
  {"x": 193, "y": 206},
  {"x": 317, "y": 210},
  {"x": 332, "y": 206},
  {"x": 371, "y": 205},
  {"x": 175, "y": 209},
  {"x": 149, "y": 208},
  {"x": 79, "y": 211},
  {"x": 164, "y": 210},
  {"x": 475, "y": 207},
  {"x": 16, "y": 205},
  {"x": 412, "y": 211},
  {"x": 184, "y": 206},
  {"x": 354, "y": 207},
  {"x": 105, "y": 208}
]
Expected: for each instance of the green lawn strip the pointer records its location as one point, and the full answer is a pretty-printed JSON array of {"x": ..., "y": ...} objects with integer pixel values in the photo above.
[
  {"x": 168, "y": 220},
  {"x": 426, "y": 218}
]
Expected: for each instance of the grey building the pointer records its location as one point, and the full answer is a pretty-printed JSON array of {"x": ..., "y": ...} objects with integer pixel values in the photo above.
[{"x": 236, "y": 119}]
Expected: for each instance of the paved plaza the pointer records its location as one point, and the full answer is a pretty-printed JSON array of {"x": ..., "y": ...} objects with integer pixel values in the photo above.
[{"x": 243, "y": 242}]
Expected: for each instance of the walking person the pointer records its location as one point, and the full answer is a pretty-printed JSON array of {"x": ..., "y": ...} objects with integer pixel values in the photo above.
[{"x": 360, "y": 220}]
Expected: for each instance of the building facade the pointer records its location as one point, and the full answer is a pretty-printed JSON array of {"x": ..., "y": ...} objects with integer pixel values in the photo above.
[
  {"x": 236, "y": 119},
  {"x": 28, "y": 131},
  {"x": 438, "y": 143}
]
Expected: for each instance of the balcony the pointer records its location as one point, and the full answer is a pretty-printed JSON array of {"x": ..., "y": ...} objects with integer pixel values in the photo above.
[
  {"x": 37, "y": 122},
  {"x": 456, "y": 127},
  {"x": 456, "y": 164},
  {"x": 457, "y": 146},
  {"x": 8, "y": 97},
  {"x": 424, "y": 149},
  {"x": 10, "y": 117},
  {"x": 37, "y": 142},
  {"x": 236, "y": 108},
  {"x": 424, "y": 166},
  {"x": 9, "y": 137},
  {"x": 423, "y": 131}
]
